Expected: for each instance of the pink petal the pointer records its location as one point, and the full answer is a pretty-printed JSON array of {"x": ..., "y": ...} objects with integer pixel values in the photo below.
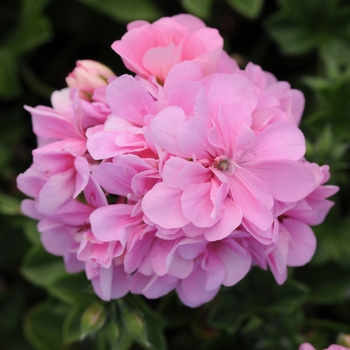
[
  {"x": 129, "y": 100},
  {"x": 162, "y": 205},
  {"x": 164, "y": 128},
  {"x": 115, "y": 178},
  {"x": 253, "y": 196},
  {"x": 197, "y": 206},
  {"x": 231, "y": 219},
  {"x": 191, "y": 290},
  {"x": 82, "y": 175},
  {"x": 289, "y": 181},
  {"x": 280, "y": 140},
  {"x": 302, "y": 244},
  {"x": 110, "y": 223}
]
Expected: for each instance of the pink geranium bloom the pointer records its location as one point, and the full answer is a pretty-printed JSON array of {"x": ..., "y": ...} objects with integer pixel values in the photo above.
[
  {"x": 153, "y": 49},
  {"x": 219, "y": 169}
]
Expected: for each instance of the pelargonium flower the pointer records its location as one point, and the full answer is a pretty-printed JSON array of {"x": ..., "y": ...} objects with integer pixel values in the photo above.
[
  {"x": 180, "y": 178},
  {"x": 153, "y": 49}
]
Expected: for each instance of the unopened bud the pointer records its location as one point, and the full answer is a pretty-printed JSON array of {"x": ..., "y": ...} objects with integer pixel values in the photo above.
[{"x": 93, "y": 319}]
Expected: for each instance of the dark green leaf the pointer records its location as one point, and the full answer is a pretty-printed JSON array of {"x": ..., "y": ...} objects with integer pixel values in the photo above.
[
  {"x": 43, "y": 326},
  {"x": 72, "y": 325},
  {"x": 42, "y": 268},
  {"x": 9, "y": 205},
  {"x": 125, "y": 10},
  {"x": 9, "y": 85},
  {"x": 257, "y": 293},
  {"x": 73, "y": 289},
  {"x": 200, "y": 8},
  {"x": 248, "y": 8}
]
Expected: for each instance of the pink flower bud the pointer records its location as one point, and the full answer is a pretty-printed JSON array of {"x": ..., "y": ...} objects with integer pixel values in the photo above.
[{"x": 87, "y": 76}]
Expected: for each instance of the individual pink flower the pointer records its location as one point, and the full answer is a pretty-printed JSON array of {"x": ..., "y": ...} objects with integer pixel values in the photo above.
[
  {"x": 87, "y": 76},
  {"x": 153, "y": 49},
  {"x": 219, "y": 171},
  {"x": 276, "y": 100},
  {"x": 295, "y": 242}
]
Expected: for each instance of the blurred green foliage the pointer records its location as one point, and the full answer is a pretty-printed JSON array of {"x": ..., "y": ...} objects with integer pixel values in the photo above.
[{"x": 306, "y": 42}]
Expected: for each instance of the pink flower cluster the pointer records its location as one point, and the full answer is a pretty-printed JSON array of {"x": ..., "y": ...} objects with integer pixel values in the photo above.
[{"x": 181, "y": 177}]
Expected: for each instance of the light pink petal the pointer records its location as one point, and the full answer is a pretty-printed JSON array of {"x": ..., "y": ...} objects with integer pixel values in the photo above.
[
  {"x": 162, "y": 205},
  {"x": 184, "y": 71},
  {"x": 111, "y": 283},
  {"x": 184, "y": 95},
  {"x": 115, "y": 178},
  {"x": 236, "y": 260},
  {"x": 164, "y": 128},
  {"x": 128, "y": 100},
  {"x": 153, "y": 286},
  {"x": 57, "y": 190},
  {"x": 31, "y": 181},
  {"x": 50, "y": 124},
  {"x": 102, "y": 145},
  {"x": 289, "y": 181},
  {"x": 280, "y": 140},
  {"x": 94, "y": 194},
  {"x": 212, "y": 264},
  {"x": 233, "y": 88},
  {"x": 277, "y": 259},
  {"x": 191, "y": 22},
  {"x": 192, "y": 138},
  {"x": 171, "y": 171},
  {"x": 197, "y": 206},
  {"x": 193, "y": 173},
  {"x": 53, "y": 237},
  {"x": 231, "y": 219},
  {"x": 254, "y": 198},
  {"x": 302, "y": 243},
  {"x": 131, "y": 48},
  {"x": 28, "y": 208},
  {"x": 110, "y": 223},
  {"x": 191, "y": 290},
  {"x": 159, "y": 60},
  {"x": 82, "y": 175}
]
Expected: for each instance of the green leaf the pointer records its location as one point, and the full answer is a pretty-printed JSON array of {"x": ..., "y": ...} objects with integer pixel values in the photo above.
[
  {"x": 125, "y": 10},
  {"x": 72, "y": 325},
  {"x": 9, "y": 205},
  {"x": 93, "y": 318},
  {"x": 302, "y": 25},
  {"x": 73, "y": 289},
  {"x": 9, "y": 84},
  {"x": 238, "y": 304},
  {"x": 42, "y": 268},
  {"x": 33, "y": 28},
  {"x": 248, "y": 8},
  {"x": 43, "y": 326},
  {"x": 200, "y": 8},
  {"x": 31, "y": 231},
  {"x": 328, "y": 283}
]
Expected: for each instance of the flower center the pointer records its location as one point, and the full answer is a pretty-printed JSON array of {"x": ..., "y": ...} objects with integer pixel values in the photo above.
[{"x": 225, "y": 165}]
